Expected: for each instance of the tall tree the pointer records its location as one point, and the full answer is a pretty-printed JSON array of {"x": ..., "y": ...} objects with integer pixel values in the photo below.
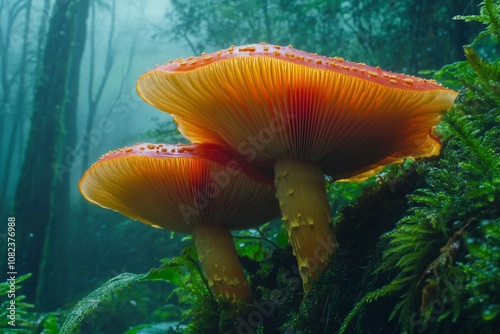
[
  {"x": 10, "y": 13},
  {"x": 19, "y": 106},
  {"x": 10, "y": 70},
  {"x": 53, "y": 108}
]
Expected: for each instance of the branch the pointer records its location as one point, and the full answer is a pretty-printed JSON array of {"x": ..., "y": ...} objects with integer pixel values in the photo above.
[{"x": 125, "y": 74}]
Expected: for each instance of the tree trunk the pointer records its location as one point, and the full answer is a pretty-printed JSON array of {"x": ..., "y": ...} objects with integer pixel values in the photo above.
[
  {"x": 18, "y": 117},
  {"x": 8, "y": 75},
  {"x": 53, "y": 109}
]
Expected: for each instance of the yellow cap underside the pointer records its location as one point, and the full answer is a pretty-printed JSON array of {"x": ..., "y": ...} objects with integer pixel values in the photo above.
[
  {"x": 264, "y": 108},
  {"x": 166, "y": 193}
]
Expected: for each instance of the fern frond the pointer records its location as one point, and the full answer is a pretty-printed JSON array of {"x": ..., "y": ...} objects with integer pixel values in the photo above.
[
  {"x": 489, "y": 15},
  {"x": 93, "y": 300},
  {"x": 372, "y": 296}
]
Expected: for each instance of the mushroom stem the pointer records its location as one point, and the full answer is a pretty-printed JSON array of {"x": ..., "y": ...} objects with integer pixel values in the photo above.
[
  {"x": 305, "y": 212},
  {"x": 218, "y": 257}
]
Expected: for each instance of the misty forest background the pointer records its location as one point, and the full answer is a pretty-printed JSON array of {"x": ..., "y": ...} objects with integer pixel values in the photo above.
[{"x": 67, "y": 74}]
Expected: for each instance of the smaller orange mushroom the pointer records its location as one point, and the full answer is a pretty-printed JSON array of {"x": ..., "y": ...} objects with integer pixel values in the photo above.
[{"x": 197, "y": 189}]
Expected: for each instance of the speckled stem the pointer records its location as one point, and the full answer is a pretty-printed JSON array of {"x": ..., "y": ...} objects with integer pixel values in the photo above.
[
  {"x": 218, "y": 257},
  {"x": 306, "y": 214}
]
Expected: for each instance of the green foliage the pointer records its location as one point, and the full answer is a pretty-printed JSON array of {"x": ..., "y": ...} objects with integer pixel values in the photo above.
[
  {"x": 119, "y": 303},
  {"x": 198, "y": 308},
  {"x": 357, "y": 30},
  {"x": 22, "y": 308},
  {"x": 163, "y": 328},
  {"x": 90, "y": 304},
  {"x": 104, "y": 309},
  {"x": 27, "y": 321},
  {"x": 183, "y": 271},
  {"x": 490, "y": 16},
  {"x": 341, "y": 194},
  {"x": 257, "y": 244},
  {"x": 201, "y": 313},
  {"x": 461, "y": 188},
  {"x": 482, "y": 270}
]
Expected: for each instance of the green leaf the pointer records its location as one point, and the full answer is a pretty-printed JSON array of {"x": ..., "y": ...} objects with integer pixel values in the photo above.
[
  {"x": 93, "y": 300},
  {"x": 282, "y": 237},
  {"x": 491, "y": 312},
  {"x": 5, "y": 286},
  {"x": 170, "y": 272}
]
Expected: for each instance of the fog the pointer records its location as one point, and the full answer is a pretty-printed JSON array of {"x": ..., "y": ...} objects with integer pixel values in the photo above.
[
  {"x": 121, "y": 43},
  {"x": 122, "y": 117}
]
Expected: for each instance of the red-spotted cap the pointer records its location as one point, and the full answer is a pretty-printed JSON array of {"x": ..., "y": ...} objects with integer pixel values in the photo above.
[
  {"x": 267, "y": 101},
  {"x": 177, "y": 186}
]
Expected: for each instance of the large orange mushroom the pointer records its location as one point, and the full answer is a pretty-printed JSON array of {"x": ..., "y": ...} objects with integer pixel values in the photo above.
[
  {"x": 198, "y": 189},
  {"x": 306, "y": 116}
]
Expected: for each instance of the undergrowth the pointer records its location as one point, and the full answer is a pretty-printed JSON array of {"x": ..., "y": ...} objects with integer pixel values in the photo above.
[
  {"x": 441, "y": 251},
  {"x": 18, "y": 316}
]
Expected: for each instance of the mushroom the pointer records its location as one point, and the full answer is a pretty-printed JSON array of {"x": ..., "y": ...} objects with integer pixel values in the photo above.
[
  {"x": 198, "y": 189},
  {"x": 305, "y": 116}
]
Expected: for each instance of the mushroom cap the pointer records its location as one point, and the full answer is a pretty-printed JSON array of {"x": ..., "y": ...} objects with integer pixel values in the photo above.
[
  {"x": 177, "y": 186},
  {"x": 266, "y": 101}
]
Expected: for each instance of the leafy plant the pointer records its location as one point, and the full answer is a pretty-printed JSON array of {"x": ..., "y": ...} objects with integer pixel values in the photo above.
[
  {"x": 342, "y": 194},
  {"x": 121, "y": 297},
  {"x": 482, "y": 271},
  {"x": 489, "y": 15},
  {"x": 460, "y": 189},
  {"x": 21, "y": 308},
  {"x": 26, "y": 320},
  {"x": 184, "y": 271},
  {"x": 257, "y": 244},
  {"x": 94, "y": 300},
  {"x": 201, "y": 312}
]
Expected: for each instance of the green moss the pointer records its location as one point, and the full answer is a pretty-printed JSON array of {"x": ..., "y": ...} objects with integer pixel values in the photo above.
[{"x": 482, "y": 270}]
